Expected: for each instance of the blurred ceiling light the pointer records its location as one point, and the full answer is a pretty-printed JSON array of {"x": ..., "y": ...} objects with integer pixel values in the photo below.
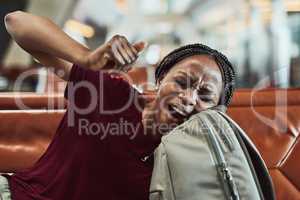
[
  {"x": 122, "y": 5},
  {"x": 292, "y": 5},
  {"x": 265, "y": 8},
  {"x": 153, "y": 54},
  {"x": 261, "y": 3},
  {"x": 76, "y": 26},
  {"x": 266, "y": 5}
]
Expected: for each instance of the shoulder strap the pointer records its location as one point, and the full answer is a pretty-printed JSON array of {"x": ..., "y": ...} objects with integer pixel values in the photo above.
[
  {"x": 261, "y": 170},
  {"x": 222, "y": 167}
]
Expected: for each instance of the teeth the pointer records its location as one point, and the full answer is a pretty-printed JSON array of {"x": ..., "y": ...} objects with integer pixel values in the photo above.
[{"x": 179, "y": 111}]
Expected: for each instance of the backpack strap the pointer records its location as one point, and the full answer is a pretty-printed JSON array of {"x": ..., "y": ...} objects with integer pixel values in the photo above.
[
  {"x": 223, "y": 170},
  {"x": 256, "y": 161}
]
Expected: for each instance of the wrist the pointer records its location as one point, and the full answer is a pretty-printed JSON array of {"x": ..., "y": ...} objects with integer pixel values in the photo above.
[{"x": 82, "y": 57}]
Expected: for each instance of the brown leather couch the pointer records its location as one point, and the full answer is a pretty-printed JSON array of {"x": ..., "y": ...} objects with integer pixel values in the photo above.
[{"x": 270, "y": 117}]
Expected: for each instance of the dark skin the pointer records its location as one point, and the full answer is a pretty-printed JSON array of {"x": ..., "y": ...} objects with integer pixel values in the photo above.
[
  {"x": 52, "y": 47},
  {"x": 191, "y": 86}
]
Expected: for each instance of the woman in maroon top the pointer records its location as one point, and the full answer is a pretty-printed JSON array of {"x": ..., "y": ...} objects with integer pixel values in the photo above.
[{"x": 103, "y": 146}]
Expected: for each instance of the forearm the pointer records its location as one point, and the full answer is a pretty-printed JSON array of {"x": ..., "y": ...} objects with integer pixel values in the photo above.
[{"x": 39, "y": 34}]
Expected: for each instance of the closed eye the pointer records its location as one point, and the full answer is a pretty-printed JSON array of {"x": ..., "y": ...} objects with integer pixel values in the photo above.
[
  {"x": 181, "y": 82},
  {"x": 206, "y": 98},
  {"x": 205, "y": 95}
]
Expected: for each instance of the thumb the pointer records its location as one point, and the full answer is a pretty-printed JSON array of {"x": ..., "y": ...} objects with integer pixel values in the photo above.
[
  {"x": 140, "y": 46},
  {"x": 102, "y": 49}
]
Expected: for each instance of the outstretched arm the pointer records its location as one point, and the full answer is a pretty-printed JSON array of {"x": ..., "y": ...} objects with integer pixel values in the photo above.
[
  {"x": 52, "y": 47},
  {"x": 45, "y": 41}
]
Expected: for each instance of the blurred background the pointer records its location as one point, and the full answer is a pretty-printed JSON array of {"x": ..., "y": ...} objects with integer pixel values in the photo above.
[{"x": 260, "y": 37}]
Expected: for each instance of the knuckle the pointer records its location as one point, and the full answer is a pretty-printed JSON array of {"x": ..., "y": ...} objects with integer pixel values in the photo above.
[
  {"x": 109, "y": 45},
  {"x": 116, "y": 36},
  {"x": 123, "y": 38},
  {"x": 119, "y": 37}
]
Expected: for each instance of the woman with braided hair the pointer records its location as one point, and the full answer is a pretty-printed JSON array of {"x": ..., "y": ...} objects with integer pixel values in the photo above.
[
  {"x": 225, "y": 67},
  {"x": 87, "y": 158}
]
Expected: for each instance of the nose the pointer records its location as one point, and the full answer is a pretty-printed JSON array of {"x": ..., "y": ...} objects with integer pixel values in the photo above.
[{"x": 189, "y": 99}]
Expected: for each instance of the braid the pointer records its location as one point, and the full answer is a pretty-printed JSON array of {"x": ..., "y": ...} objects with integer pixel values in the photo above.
[{"x": 224, "y": 64}]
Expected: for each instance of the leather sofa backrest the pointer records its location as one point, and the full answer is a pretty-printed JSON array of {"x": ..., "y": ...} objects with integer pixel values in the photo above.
[
  {"x": 24, "y": 136},
  {"x": 270, "y": 117},
  {"x": 30, "y": 100}
]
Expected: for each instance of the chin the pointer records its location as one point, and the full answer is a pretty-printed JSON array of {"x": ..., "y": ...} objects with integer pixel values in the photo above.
[{"x": 165, "y": 123}]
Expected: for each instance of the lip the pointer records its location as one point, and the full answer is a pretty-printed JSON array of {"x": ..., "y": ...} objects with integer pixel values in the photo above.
[{"x": 176, "y": 112}]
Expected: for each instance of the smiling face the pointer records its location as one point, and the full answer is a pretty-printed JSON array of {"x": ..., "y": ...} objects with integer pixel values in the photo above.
[{"x": 192, "y": 85}]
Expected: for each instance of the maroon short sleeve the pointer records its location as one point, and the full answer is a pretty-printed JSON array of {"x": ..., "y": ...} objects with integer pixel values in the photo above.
[
  {"x": 78, "y": 74},
  {"x": 96, "y": 155},
  {"x": 98, "y": 89}
]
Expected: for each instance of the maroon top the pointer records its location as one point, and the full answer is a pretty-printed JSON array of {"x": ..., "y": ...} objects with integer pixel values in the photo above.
[{"x": 93, "y": 155}]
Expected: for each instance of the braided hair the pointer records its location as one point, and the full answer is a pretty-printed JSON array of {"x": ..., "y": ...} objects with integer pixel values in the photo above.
[{"x": 223, "y": 63}]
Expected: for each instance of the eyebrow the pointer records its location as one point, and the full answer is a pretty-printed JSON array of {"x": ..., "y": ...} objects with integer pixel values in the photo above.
[
  {"x": 194, "y": 79},
  {"x": 188, "y": 75}
]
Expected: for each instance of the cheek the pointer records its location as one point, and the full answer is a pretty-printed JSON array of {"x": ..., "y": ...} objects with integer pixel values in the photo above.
[
  {"x": 165, "y": 94},
  {"x": 202, "y": 105},
  {"x": 217, "y": 97},
  {"x": 167, "y": 90}
]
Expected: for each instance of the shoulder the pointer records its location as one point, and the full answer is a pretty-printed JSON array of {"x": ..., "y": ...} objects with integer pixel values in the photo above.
[{"x": 112, "y": 91}]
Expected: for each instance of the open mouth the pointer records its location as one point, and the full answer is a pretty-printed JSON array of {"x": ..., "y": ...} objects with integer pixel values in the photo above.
[{"x": 176, "y": 112}]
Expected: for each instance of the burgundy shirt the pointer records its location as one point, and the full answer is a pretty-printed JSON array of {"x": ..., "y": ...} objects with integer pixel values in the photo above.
[{"x": 93, "y": 155}]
